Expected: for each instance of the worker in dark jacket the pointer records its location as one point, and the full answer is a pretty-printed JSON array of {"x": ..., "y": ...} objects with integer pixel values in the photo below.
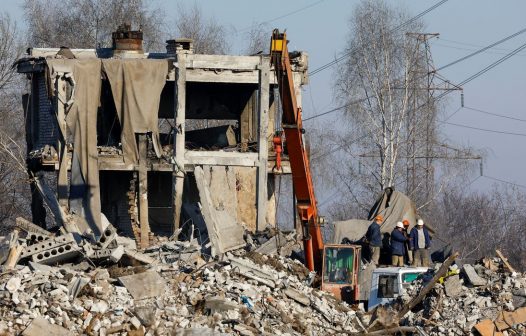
[
  {"x": 373, "y": 237},
  {"x": 419, "y": 242},
  {"x": 398, "y": 240},
  {"x": 408, "y": 252}
]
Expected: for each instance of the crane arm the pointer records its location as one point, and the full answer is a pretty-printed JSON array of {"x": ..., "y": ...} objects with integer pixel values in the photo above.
[{"x": 299, "y": 160}]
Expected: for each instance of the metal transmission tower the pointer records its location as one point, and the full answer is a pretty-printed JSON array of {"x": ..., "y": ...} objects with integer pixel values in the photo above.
[{"x": 422, "y": 119}]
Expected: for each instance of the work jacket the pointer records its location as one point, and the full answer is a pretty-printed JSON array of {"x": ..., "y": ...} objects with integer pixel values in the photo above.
[
  {"x": 373, "y": 235},
  {"x": 413, "y": 238},
  {"x": 398, "y": 240}
]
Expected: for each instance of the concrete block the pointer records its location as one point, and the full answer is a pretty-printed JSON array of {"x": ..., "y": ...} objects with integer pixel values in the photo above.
[
  {"x": 117, "y": 254},
  {"x": 108, "y": 237},
  {"x": 48, "y": 244},
  {"x": 219, "y": 304},
  {"x": 140, "y": 257},
  {"x": 57, "y": 254},
  {"x": 453, "y": 286},
  {"x": 253, "y": 271},
  {"x": 144, "y": 285},
  {"x": 101, "y": 254},
  {"x": 30, "y": 228},
  {"x": 472, "y": 276},
  {"x": 297, "y": 296},
  {"x": 40, "y": 326}
]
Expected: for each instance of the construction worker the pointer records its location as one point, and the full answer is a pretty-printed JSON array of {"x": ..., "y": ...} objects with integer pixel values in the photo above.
[
  {"x": 408, "y": 251},
  {"x": 373, "y": 237},
  {"x": 398, "y": 240},
  {"x": 419, "y": 243}
]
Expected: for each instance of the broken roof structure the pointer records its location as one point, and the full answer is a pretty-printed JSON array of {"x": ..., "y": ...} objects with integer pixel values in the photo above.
[{"x": 135, "y": 140}]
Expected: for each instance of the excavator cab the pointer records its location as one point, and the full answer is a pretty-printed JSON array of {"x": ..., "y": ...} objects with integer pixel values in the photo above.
[{"x": 340, "y": 271}]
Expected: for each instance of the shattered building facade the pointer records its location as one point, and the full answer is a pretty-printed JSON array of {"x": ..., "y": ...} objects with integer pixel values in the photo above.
[{"x": 113, "y": 126}]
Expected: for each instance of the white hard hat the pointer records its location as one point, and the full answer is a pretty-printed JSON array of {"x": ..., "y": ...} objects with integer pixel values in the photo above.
[
  {"x": 420, "y": 222},
  {"x": 400, "y": 225}
]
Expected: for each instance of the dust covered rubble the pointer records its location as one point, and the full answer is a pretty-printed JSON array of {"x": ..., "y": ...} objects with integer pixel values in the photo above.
[
  {"x": 466, "y": 297},
  {"x": 169, "y": 290}
]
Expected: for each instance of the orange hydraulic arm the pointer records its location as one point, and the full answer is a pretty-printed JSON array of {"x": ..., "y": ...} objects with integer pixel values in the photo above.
[{"x": 299, "y": 161}]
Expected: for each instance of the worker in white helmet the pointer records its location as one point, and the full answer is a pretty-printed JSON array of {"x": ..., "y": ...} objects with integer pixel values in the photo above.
[{"x": 420, "y": 242}]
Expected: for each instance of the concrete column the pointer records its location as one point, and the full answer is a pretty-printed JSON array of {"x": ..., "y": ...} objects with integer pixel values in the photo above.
[
  {"x": 143, "y": 192},
  {"x": 180, "y": 120},
  {"x": 263, "y": 119},
  {"x": 62, "y": 180}
]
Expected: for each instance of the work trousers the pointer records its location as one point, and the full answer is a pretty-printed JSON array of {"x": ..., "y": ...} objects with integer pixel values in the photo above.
[
  {"x": 421, "y": 258},
  {"x": 375, "y": 254},
  {"x": 397, "y": 260}
]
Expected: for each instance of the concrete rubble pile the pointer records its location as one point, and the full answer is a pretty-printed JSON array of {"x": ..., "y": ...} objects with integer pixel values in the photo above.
[
  {"x": 483, "y": 299},
  {"x": 111, "y": 288}
]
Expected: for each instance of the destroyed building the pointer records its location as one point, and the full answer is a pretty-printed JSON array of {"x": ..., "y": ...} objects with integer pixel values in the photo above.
[{"x": 150, "y": 142}]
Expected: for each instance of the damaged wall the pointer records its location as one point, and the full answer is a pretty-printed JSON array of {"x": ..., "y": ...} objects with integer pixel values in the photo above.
[{"x": 234, "y": 89}]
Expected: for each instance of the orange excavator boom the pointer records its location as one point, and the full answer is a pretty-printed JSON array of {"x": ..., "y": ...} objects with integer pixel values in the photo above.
[{"x": 298, "y": 156}]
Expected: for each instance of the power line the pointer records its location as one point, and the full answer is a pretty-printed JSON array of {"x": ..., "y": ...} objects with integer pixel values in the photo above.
[
  {"x": 492, "y": 65},
  {"x": 486, "y": 69},
  {"x": 471, "y": 49},
  {"x": 336, "y": 109},
  {"x": 494, "y": 114},
  {"x": 503, "y": 181},
  {"x": 282, "y": 16},
  {"x": 470, "y": 44},
  {"x": 467, "y": 80},
  {"x": 408, "y": 22},
  {"x": 483, "y": 129},
  {"x": 483, "y": 49}
]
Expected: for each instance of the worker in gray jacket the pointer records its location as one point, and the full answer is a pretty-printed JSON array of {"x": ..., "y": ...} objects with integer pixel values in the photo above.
[{"x": 419, "y": 242}]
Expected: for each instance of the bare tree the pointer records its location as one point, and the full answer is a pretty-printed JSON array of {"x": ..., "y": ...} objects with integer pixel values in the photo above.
[
  {"x": 475, "y": 224},
  {"x": 9, "y": 50},
  {"x": 89, "y": 23},
  {"x": 13, "y": 177},
  {"x": 208, "y": 35},
  {"x": 378, "y": 77},
  {"x": 258, "y": 39}
]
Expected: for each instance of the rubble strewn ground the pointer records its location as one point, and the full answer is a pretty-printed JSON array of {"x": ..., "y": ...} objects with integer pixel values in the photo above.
[
  {"x": 168, "y": 289},
  {"x": 471, "y": 297},
  {"x": 111, "y": 288}
]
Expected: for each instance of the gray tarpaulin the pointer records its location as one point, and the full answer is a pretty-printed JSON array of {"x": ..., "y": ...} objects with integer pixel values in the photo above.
[
  {"x": 136, "y": 86},
  {"x": 352, "y": 229},
  {"x": 392, "y": 205},
  {"x": 81, "y": 121}
]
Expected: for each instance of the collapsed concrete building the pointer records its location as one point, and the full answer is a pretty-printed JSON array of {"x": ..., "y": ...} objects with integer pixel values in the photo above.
[{"x": 153, "y": 142}]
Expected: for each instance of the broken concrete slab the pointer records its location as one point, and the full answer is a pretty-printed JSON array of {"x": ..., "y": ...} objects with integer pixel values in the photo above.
[
  {"x": 13, "y": 284},
  {"x": 472, "y": 276},
  {"x": 253, "y": 271},
  {"x": 76, "y": 285},
  {"x": 126, "y": 242},
  {"x": 146, "y": 315},
  {"x": 40, "y": 326},
  {"x": 117, "y": 254},
  {"x": 225, "y": 233},
  {"x": 280, "y": 243},
  {"x": 297, "y": 296},
  {"x": 40, "y": 267},
  {"x": 453, "y": 286},
  {"x": 139, "y": 257},
  {"x": 144, "y": 285},
  {"x": 29, "y": 227},
  {"x": 219, "y": 304}
]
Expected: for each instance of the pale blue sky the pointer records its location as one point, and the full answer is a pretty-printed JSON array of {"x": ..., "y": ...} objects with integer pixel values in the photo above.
[{"x": 464, "y": 25}]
